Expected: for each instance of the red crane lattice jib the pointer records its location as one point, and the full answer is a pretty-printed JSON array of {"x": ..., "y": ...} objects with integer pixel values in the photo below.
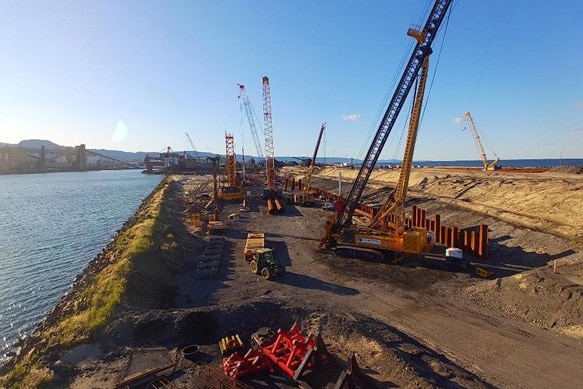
[
  {"x": 237, "y": 366},
  {"x": 422, "y": 50},
  {"x": 268, "y": 133}
]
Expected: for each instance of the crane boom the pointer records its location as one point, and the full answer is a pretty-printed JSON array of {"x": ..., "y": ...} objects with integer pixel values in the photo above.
[
  {"x": 251, "y": 118},
  {"x": 192, "y": 145},
  {"x": 313, "y": 162},
  {"x": 422, "y": 49},
  {"x": 268, "y": 133},
  {"x": 487, "y": 166},
  {"x": 395, "y": 204}
]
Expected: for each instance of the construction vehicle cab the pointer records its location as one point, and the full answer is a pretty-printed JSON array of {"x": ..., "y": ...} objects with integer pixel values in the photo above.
[
  {"x": 228, "y": 193},
  {"x": 264, "y": 263}
]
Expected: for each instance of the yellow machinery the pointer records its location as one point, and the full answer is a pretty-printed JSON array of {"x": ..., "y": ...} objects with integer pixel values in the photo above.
[
  {"x": 215, "y": 224},
  {"x": 233, "y": 190},
  {"x": 388, "y": 225},
  {"x": 387, "y": 231},
  {"x": 306, "y": 198},
  {"x": 487, "y": 165}
]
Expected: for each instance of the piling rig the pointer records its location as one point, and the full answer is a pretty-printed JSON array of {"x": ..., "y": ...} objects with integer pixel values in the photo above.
[
  {"x": 305, "y": 197},
  {"x": 387, "y": 232}
]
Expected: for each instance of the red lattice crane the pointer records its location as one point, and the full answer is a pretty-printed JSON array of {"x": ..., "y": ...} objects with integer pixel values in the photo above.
[{"x": 268, "y": 133}]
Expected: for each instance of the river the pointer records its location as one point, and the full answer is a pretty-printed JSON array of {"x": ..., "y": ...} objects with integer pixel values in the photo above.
[{"x": 51, "y": 226}]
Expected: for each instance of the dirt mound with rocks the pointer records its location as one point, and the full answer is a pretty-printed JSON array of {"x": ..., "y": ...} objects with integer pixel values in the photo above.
[
  {"x": 552, "y": 301},
  {"x": 567, "y": 169}
]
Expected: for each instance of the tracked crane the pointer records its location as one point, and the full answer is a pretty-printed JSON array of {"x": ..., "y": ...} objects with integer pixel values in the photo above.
[
  {"x": 268, "y": 133},
  {"x": 272, "y": 193},
  {"x": 487, "y": 165},
  {"x": 251, "y": 118},
  {"x": 306, "y": 197},
  {"x": 394, "y": 238},
  {"x": 387, "y": 230}
]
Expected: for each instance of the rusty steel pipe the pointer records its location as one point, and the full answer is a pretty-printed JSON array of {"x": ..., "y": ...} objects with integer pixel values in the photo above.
[
  {"x": 278, "y": 206},
  {"x": 271, "y": 207}
]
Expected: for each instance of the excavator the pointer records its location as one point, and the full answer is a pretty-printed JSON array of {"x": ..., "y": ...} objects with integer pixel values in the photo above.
[
  {"x": 487, "y": 165},
  {"x": 306, "y": 198},
  {"x": 386, "y": 232}
]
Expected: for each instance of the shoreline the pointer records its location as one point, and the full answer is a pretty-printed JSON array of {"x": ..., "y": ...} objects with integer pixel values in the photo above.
[{"x": 69, "y": 302}]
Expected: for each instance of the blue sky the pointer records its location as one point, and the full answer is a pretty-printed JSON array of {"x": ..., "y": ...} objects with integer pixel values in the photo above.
[{"x": 137, "y": 75}]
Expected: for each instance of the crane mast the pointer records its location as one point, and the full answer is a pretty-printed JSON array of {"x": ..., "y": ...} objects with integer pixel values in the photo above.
[
  {"x": 268, "y": 133},
  {"x": 232, "y": 190},
  {"x": 251, "y": 118},
  {"x": 392, "y": 214},
  {"x": 422, "y": 49},
  {"x": 487, "y": 166},
  {"x": 230, "y": 165}
]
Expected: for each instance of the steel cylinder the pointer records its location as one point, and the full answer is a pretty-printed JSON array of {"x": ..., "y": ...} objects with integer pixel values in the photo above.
[
  {"x": 271, "y": 207},
  {"x": 278, "y": 206}
]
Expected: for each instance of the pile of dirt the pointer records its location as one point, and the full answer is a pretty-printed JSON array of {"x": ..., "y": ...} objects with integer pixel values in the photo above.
[
  {"x": 572, "y": 169},
  {"x": 550, "y": 300}
]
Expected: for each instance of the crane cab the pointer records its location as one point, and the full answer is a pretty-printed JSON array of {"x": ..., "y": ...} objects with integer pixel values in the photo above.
[{"x": 412, "y": 241}]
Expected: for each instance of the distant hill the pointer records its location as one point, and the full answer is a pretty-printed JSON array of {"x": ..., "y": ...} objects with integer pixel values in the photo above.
[
  {"x": 115, "y": 154},
  {"x": 38, "y": 143}
]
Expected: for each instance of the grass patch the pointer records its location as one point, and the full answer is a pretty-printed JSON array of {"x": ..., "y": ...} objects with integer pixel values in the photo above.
[{"x": 100, "y": 298}]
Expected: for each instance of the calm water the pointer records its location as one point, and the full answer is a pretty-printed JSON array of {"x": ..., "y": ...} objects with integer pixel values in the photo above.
[{"x": 51, "y": 227}]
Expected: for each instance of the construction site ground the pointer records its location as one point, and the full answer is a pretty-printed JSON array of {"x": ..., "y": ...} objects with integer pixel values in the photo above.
[{"x": 409, "y": 326}]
